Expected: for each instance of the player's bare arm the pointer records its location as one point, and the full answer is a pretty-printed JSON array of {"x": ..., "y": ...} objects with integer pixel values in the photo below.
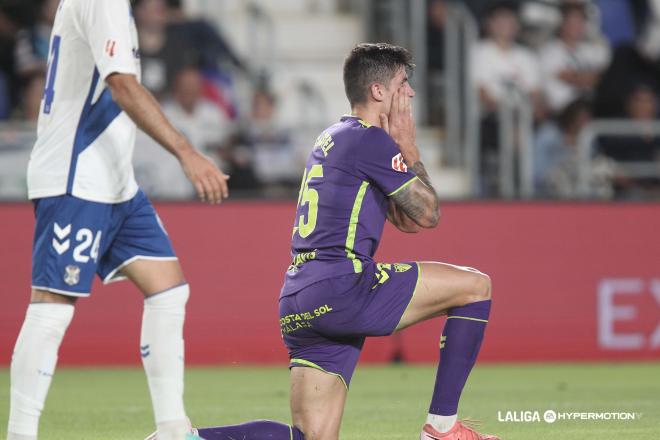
[
  {"x": 419, "y": 200},
  {"x": 210, "y": 183},
  {"x": 400, "y": 220}
]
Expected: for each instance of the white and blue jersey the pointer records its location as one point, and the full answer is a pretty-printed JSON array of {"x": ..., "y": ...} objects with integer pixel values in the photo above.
[
  {"x": 91, "y": 216},
  {"x": 85, "y": 142}
]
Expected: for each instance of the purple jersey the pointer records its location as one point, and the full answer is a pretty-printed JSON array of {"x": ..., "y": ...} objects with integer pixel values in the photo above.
[{"x": 342, "y": 205}]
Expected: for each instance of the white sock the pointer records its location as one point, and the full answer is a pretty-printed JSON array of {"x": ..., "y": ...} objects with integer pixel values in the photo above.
[
  {"x": 33, "y": 365},
  {"x": 161, "y": 347},
  {"x": 441, "y": 423}
]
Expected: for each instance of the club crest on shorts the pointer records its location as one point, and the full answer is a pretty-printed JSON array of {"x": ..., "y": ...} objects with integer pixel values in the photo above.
[
  {"x": 398, "y": 164},
  {"x": 72, "y": 275},
  {"x": 399, "y": 267}
]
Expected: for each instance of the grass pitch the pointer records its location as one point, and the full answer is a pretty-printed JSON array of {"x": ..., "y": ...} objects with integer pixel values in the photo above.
[{"x": 384, "y": 403}]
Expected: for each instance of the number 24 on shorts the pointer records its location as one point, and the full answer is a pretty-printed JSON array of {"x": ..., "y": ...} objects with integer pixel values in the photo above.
[
  {"x": 85, "y": 238},
  {"x": 308, "y": 196}
]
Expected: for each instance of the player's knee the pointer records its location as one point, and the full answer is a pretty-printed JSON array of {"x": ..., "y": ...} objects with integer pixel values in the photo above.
[
  {"x": 43, "y": 296},
  {"x": 483, "y": 291},
  {"x": 316, "y": 428},
  {"x": 320, "y": 435},
  {"x": 479, "y": 288}
]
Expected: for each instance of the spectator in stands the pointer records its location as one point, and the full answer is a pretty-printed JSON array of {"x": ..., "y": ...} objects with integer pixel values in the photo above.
[
  {"x": 208, "y": 41},
  {"x": 499, "y": 63},
  {"x": 618, "y": 21},
  {"x": 163, "y": 52},
  {"x": 556, "y": 155},
  {"x": 266, "y": 149},
  {"x": 503, "y": 71},
  {"x": 14, "y": 15},
  {"x": 435, "y": 36},
  {"x": 572, "y": 64},
  {"x": 200, "y": 121},
  {"x": 641, "y": 106},
  {"x": 31, "y": 58},
  {"x": 7, "y": 31},
  {"x": 205, "y": 126},
  {"x": 632, "y": 63},
  {"x": 435, "y": 41}
]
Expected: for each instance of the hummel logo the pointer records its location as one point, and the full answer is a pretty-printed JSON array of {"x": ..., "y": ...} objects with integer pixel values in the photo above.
[
  {"x": 145, "y": 350},
  {"x": 60, "y": 241}
]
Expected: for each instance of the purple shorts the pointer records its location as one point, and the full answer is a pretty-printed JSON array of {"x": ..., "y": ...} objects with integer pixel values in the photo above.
[{"x": 325, "y": 324}]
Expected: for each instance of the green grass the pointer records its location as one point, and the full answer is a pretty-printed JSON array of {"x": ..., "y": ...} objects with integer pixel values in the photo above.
[{"x": 384, "y": 403}]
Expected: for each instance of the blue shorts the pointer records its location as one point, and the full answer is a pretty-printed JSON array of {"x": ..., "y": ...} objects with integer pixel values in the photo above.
[
  {"x": 325, "y": 324},
  {"x": 75, "y": 238}
]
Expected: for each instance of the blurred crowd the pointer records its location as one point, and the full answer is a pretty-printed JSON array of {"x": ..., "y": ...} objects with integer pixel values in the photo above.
[
  {"x": 573, "y": 61},
  {"x": 191, "y": 69}
]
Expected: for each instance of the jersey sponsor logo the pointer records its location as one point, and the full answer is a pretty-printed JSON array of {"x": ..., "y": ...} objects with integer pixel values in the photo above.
[
  {"x": 72, "y": 274},
  {"x": 61, "y": 242},
  {"x": 296, "y": 321},
  {"x": 398, "y": 164},
  {"x": 110, "y": 47}
]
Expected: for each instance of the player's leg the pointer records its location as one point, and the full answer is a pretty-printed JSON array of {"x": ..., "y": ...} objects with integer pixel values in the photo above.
[
  {"x": 34, "y": 360},
  {"x": 161, "y": 341},
  {"x": 317, "y": 403},
  {"x": 463, "y": 294},
  {"x": 62, "y": 271},
  {"x": 255, "y": 430},
  {"x": 142, "y": 252},
  {"x": 317, "y": 406},
  {"x": 321, "y": 368}
]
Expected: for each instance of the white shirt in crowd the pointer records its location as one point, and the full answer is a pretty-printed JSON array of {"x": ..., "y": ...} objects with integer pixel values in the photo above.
[
  {"x": 494, "y": 68},
  {"x": 159, "y": 173},
  {"x": 557, "y": 57},
  {"x": 84, "y": 140}
]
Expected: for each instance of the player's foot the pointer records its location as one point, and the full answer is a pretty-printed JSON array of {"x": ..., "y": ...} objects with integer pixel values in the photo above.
[
  {"x": 192, "y": 435},
  {"x": 458, "y": 432}
]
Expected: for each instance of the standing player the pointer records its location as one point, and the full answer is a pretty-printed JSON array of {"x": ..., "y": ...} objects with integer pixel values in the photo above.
[
  {"x": 90, "y": 214},
  {"x": 363, "y": 169}
]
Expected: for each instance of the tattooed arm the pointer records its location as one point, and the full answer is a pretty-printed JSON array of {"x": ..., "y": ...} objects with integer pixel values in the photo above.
[
  {"x": 400, "y": 220},
  {"x": 419, "y": 200}
]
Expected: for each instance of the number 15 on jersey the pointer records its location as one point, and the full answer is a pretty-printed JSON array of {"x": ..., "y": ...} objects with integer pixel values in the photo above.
[{"x": 308, "y": 197}]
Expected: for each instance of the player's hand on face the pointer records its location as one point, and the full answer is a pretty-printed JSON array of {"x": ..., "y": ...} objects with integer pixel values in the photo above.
[
  {"x": 400, "y": 125},
  {"x": 210, "y": 183}
]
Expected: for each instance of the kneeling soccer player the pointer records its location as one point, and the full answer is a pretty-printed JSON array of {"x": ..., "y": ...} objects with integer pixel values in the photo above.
[{"x": 363, "y": 169}]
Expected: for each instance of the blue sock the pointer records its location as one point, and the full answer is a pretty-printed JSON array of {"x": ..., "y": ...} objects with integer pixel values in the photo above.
[
  {"x": 257, "y": 430},
  {"x": 459, "y": 346}
]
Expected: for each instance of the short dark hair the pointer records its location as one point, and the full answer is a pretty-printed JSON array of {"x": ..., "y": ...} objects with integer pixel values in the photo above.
[
  {"x": 569, "y": 7},
  {"x": 369, "y": 63},
  {"x": 502, "y": 6}
]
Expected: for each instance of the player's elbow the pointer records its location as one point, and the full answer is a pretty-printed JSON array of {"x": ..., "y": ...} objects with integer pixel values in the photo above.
[
  {"x": 430, "y": 218},
  {"x": 431, "y": 215},
  {"x": 121, "y": 86}
]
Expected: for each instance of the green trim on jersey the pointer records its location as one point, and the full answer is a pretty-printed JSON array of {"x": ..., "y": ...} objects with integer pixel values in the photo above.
[
  {"x": 304, "y": 363},
  {"x": 402, "y": 186},
  {"x": 352, "y": 227}
]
